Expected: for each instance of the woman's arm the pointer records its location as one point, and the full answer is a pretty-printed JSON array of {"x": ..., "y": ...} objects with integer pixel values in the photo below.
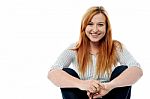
[
  {"x": 127, "y": 78},
  {"x": 59, "y": 77},
  {"x": 132, "y": 73},
  {"x": 62, "y": 79}
]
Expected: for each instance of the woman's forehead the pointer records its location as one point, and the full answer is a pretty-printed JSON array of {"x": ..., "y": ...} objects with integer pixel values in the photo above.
[{"x": 99, "y": 17}]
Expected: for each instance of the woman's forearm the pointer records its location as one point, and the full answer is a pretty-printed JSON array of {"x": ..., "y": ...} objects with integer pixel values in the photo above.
[
  {"x": 127, "y": 78},
  {"x": 61, "y": 79},
  {"x": 64, "y": 80}
]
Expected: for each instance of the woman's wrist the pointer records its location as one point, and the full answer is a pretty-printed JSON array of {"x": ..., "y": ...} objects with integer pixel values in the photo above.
[
  {"x": 112, "y": 85},
  {"x": 78, "y": 83}
]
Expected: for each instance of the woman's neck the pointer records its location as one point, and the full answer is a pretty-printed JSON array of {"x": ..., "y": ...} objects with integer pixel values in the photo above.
[{"x": 94, "y": 48}]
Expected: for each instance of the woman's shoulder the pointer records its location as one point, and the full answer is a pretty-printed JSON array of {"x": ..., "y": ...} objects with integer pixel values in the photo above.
[
  {"x": 68, "y": 51},
  {"x": 120, "y": 47},
  {"x": 117, "y": 44},
  {"x": 72, "y": 46}
]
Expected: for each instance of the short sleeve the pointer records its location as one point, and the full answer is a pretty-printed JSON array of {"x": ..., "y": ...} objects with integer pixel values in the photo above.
[
  {"x": 125, "y": 58},
  {"x": 64, "y": 59}
]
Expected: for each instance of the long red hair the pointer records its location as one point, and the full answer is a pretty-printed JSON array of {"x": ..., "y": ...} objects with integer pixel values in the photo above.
[{"x": 107, "y": 49}]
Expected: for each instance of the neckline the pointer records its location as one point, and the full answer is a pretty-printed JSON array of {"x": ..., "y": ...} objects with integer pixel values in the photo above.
[{"x": 93, "y": 54}]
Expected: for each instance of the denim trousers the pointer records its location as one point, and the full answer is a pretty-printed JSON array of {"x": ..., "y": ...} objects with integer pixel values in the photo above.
[{"x": 116, "y": 93}]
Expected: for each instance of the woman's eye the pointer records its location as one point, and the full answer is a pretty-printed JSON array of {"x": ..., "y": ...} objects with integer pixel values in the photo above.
[
  {"x": 100, "y": 24},
  {"x": 90, "y": 23}
]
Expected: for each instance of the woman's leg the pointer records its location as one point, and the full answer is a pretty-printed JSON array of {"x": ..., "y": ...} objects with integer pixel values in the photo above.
[
  {"x": 73, "y": 93},
  {"x": 121, "y": 92}
]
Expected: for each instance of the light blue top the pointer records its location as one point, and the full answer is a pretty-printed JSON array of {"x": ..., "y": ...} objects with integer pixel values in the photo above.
[{"x": 69, "y": 56}]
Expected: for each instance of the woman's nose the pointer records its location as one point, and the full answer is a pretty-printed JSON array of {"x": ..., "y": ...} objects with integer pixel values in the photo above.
[{"x": 95, "y": 28}]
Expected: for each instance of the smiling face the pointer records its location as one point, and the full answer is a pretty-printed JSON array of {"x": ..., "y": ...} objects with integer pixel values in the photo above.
[{"x": 96, "y": 28}]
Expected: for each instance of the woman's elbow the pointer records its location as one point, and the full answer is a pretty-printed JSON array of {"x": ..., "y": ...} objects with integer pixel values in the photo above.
[
  {"x": 49, "y": 75},
  {"x": 140, "y": 72}
]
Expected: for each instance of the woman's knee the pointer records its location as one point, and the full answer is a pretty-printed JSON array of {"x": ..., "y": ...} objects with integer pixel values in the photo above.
[
  {"x": 117, "y": 71},
  {"x": 71, "y": 72}
]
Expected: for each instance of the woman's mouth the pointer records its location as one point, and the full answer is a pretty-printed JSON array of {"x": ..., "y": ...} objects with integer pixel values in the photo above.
[{"x": 94, "y": 35}]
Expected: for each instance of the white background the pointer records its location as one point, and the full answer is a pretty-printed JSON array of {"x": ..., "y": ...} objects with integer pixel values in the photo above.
[{"x": 34, "y": 32}]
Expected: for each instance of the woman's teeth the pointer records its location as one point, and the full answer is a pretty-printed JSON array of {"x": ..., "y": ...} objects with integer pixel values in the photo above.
[{"x": 95, "y": 35}]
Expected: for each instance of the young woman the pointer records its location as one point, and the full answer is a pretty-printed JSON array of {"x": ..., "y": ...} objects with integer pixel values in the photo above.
[{"x": 95, "y": 58}]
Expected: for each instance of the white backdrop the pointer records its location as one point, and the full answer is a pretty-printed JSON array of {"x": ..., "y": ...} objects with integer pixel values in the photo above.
[{"x": 34, "y": 32}]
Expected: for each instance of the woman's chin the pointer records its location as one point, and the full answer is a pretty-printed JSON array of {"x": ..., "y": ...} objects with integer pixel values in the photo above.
[{"x": 94, "y": 41}]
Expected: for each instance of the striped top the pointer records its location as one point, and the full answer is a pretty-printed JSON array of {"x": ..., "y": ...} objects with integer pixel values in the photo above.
[{"x": 68, "y": 58}]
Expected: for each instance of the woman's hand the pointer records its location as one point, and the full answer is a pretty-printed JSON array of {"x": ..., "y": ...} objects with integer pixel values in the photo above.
[
  {"x": 90, "y": 95},
  {"x": 92, "y": 86},
  {"x": 106, "y": 87}
]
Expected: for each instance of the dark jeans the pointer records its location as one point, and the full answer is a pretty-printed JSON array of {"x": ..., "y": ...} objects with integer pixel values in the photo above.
[{"x": 117, "y": 93}]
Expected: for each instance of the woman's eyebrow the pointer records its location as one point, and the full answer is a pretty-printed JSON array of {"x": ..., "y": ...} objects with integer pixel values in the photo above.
[{"x": 101, "y": 22}]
